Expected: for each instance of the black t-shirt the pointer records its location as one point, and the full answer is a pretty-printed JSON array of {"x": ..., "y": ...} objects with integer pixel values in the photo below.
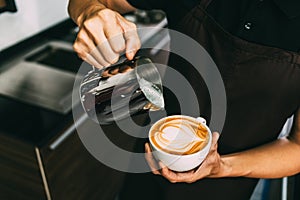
[{"x": 273, "y": 23}]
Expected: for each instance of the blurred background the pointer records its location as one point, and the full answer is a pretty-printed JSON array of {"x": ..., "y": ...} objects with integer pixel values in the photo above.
[{"x": 41, "y": 156}]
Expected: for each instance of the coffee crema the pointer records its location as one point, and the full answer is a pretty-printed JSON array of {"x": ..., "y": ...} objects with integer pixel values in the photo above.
[{"x": 179, "y": 136}]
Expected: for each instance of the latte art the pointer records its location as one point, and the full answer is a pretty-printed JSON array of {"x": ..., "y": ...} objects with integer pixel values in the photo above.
[{"x": 179, "y": 136}]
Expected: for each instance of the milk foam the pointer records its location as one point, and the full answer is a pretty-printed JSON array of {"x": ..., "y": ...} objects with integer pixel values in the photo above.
[{"x": 180, "y": 136}]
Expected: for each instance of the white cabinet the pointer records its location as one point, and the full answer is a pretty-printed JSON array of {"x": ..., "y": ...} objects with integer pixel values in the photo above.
[{"x": 32, "y": 17}]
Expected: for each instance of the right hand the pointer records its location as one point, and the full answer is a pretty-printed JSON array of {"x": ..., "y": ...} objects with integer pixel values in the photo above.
[
  {"x": 103, "y": 35},
  {"x": 212, "y": 166}
]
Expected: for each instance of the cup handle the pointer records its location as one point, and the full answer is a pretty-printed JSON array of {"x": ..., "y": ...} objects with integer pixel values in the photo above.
[{"x": 201, "y": 120}]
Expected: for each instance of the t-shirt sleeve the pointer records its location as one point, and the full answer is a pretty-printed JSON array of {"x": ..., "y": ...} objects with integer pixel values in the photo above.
[{"x": 149, "y": 4}]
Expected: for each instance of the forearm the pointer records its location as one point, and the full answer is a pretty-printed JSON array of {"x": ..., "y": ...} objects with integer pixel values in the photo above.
[
  {"x": 79, "y": 9},
  {"x": 277, "y": 159}
]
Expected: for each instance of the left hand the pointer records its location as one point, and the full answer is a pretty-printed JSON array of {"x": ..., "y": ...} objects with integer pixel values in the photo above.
[{"x": 210, "y": 167}]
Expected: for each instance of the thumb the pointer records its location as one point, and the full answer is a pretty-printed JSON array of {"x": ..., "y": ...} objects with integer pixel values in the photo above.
[{"x": 215, "y": 137}]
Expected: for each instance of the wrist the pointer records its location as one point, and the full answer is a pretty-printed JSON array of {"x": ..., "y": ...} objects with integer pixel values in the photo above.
[
  {"x": 88, "y": 12},
  {"x": 233, "y": 166},
  {"x": 226, "y": 169},
  {"x": 80, "y": 13}
]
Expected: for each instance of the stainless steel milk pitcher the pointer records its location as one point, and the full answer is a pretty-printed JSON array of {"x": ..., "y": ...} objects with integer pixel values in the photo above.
[{"x": 122, "y": 90}]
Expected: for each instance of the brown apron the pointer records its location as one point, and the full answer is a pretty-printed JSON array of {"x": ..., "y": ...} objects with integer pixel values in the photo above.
[{"x": 263, "y": 89}]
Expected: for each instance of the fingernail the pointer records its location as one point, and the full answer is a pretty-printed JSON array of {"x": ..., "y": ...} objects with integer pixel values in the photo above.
[{"x": 130, "y": 55}]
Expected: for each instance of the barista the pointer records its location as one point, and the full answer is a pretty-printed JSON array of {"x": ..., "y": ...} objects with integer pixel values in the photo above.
[{"x": 255, "y": 45}]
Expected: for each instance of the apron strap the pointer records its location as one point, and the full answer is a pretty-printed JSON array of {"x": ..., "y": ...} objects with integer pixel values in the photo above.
[{"x": 204, "y": 3}]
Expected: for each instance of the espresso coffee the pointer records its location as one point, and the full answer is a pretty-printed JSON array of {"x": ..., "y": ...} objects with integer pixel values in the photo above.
[{"x": 179, "y": 135}]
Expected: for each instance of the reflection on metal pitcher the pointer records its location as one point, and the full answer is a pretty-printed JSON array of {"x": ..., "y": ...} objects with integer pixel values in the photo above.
[{"x": 122, "y": 90}]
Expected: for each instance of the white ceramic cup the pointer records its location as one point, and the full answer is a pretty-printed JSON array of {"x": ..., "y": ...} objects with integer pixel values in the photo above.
[{"x": 177, "y": 162}]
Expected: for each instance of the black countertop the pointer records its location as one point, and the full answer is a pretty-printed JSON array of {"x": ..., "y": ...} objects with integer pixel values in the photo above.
[{"x": 30, "y": 123}]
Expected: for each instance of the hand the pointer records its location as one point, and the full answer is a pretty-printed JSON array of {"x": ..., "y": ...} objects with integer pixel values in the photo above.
[
  {"x": 210, "y": 167},
  {"x": 103, "y": 35}
]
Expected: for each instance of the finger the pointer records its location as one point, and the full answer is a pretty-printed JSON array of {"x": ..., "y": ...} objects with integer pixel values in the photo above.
[
  {"x": 168, "y": 174},
  {"x": 203, "y": 169},
  {"x": 106, "y": 50},
  {"x": 114, "y": 33},
  {"x": 114, "y": 71},
  {"x": 215, "y": 138},
  {"x": 147, "y": 148},
  {"x": 90, "y": 59},
  {"x": 131, "y": 37},
  {"x": 87, "y": 45},
  {"x": 175, "y": 177},
  {"x": 149, "y": 158},
  {"x": 106, "y": 74},
  {"x": 206, "y": 166},
  {"x": 112, "y": 30},
  {"x": 132, "y": 44},
  {"x": 83, "y": 52},
  {"x": 95, "y": 30},
  {"x": 110, "y": 72},
  {"x": 188, "y": 177}
]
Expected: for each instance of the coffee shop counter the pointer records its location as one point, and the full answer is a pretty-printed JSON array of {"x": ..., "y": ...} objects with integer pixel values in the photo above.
[{"x": 32, "y": 169}]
